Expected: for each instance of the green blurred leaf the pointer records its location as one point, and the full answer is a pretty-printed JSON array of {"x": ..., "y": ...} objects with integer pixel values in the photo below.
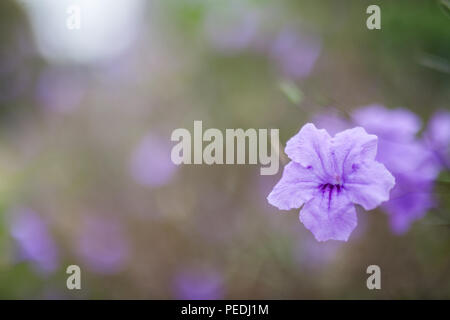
[
  {"x": 435, "y": 63},
  {"x": 292, "y": 92}
]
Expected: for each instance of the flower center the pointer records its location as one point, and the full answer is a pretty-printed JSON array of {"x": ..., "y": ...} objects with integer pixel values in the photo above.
[
  {"x": 324, "y": 187},
  {"x": 329, "y": 186}
]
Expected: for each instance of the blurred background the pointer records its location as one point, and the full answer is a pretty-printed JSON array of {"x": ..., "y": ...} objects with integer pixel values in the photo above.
[{"x": 85, "y": 122}]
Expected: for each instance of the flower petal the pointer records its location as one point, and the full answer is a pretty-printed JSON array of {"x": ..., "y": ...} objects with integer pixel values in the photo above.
[
  {"x": 297, "y": 185},
  {"x": 352, "y": 146},
  {"x": 394, "y": 124},
  {"x": 329, "y": 217},
  {"x": 310, "y": 147},
  {"x": 410, "y": 158},
  {"x": 437, "y": 137},
  {"x": 410, "y": 201},
  {"x": 438, "y": 130},
  {"x": 369, "y": 184}
]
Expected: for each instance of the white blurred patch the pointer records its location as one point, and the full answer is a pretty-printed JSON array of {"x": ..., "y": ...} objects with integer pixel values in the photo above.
[{"x": 106, "y": 28}]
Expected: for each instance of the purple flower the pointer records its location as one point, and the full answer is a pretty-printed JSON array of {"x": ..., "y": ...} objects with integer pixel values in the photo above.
[
  {"x": 327, "y": 175},
  {"x": 150, "y": 163},
  {"x": 410, "y": 200},
  {"x": 103, "y": 245},
  {"x": 295, "y": 53},
  {"x": 34, "y": 239},
  {"x": 408, "y": 158},
  {"x": 391, "y": 124},
  {"x": 415, "y": 170},
  {"x": 198, "y": 285},
  {"x": 437, "y": 137}
]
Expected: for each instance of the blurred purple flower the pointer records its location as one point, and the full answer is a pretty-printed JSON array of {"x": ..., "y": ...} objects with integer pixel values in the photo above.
[
  {"x": 295, "y": 53},
  {"x": 103, "y": 245},
  {"x": 60, "y": 90},
  {"x": 327, "y": 175},
  {"x": 198, "y": 285},
  {"x": 33, "y": 237},
  {"x": 408, "y": 158},
  {"x": 410, "y": 200},
  {"x": 150, "y": 163},
  {"x": 391, "y": 124},
  {"x": 437, "y": 137},
  {"x": 396, "y": 130}
]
